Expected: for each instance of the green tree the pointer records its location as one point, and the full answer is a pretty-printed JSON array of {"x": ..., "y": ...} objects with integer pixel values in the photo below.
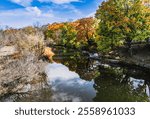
[
  {"x": 122, "y": 21},
  {"x": 68, "y": 36}
]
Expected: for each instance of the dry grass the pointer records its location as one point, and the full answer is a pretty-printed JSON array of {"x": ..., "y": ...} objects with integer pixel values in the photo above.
[
  {"x": 25, "y": 64},
  {"x": 26, "y": 40}
]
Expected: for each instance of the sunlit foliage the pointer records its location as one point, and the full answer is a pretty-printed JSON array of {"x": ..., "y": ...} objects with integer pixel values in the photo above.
[
  {"x": 68, "y": 36},
  {"x": 122, "y": 21},
  {"x": 73, "y": 34},
  {"x": 85, "y": 30}
]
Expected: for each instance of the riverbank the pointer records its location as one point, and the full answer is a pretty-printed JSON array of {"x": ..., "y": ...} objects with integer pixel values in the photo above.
[
  {"x": 140, "y": 57},
  {"x": 21, "y": 75},
  {"x": 22, "y": 67}
]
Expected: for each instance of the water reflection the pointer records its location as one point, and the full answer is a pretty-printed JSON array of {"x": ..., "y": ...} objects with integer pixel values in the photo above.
[
  {"x": 67, "y": 85},
  {"x": 115, "y": 85},
  {"x": 78, "y": 78},
  {"x": 110, "y": 83},
  {"x": 78, "y": 62}
]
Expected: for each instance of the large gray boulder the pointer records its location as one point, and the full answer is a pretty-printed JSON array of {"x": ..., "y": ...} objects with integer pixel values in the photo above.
[{"x": 8, "y": 51}]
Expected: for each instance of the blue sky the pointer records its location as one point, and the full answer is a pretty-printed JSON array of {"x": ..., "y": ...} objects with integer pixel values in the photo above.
[{"x": 20, "y": 13}]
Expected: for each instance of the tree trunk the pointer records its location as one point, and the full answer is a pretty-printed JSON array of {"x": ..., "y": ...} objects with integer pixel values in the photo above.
[{"x": 128, "y": 40}]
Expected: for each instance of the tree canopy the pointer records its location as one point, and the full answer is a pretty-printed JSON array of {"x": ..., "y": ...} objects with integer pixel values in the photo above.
[
  {"x": 122, "y": 21},
  {"x": 73, "y": 34}
]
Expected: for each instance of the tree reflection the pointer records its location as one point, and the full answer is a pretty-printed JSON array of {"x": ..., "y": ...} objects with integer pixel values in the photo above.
[
  {"x": 111, "y": 83},
  {"x": 114, "y": 84},
  {"x": 78, "y": 62}
]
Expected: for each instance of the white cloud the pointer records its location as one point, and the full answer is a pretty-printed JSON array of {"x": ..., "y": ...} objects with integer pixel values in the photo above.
[
  {"x": 28, "y": 11},
  {"x": 22, "y": 17},
  {"x": 59, "y": 1},
  {"x": 28, "y": 2},
  {"x": 91, "y": 14},
  {"x": 71, "y": 8},
  {"x": 24, "y": 3},
  {"x": 34, "y": 11},
  {"x": 28, "y": 15}
]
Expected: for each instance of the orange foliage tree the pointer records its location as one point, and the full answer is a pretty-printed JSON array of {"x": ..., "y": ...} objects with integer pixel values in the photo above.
[
  {"x": 85, "y": 30},
  {"x": 76, "y": 34}
]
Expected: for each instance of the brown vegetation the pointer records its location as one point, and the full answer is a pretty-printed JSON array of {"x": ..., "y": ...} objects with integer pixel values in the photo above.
[
  {"x": 49, "y": 53},
  {"x": 20, "y": 64}
]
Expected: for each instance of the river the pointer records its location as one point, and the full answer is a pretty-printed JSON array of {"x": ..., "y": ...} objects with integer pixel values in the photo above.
[{"x": 74, "y": 77}]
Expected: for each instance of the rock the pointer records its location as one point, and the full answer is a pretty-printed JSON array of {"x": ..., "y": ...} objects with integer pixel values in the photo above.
[
  {"x": 117, "y": 58},
  {"x": 8, "y": 50},
  {"x": 18, "y": 75}
]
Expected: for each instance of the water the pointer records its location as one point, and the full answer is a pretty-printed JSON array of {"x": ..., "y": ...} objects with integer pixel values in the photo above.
[
  {"x": 75, "y": 77},
  {"x": 67, "y": 85}
]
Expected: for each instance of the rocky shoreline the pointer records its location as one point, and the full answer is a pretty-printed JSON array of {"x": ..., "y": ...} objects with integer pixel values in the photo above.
[
  {"x": 21, "y": 75},
  {"x": 21, "y": 69}
]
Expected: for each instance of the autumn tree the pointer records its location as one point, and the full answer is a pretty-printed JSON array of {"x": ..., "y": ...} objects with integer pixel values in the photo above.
[
  {"x": 54, "y": 31},
  {"x": 122, "y": 21},
  {"x": 73, "y": 34},
  {"x": 68, "y": 35},
  {"x": 85, "y": 30}
]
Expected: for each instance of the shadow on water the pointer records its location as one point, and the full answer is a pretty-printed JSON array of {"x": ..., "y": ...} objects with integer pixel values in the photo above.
[
  {"x": 75, "y": 77},
  {"x": 117, "y": 84}
]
